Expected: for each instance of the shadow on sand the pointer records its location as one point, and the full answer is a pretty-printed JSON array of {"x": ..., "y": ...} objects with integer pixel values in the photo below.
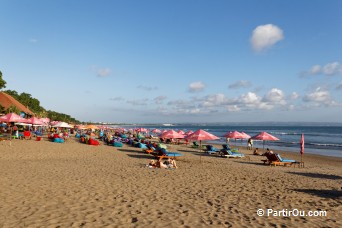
[
  {"x": 318, "y": 175},
  {"x": 332, "y": 194},
  {"x": 133, "y": 151},
  {"x": 140, "y": 156}
]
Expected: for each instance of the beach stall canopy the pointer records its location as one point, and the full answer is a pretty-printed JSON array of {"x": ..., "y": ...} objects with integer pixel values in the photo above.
[
  {"x": 35, "y": 121},
  {"x": 62, "y": 124},
  {"x": 13, "y": 117}
]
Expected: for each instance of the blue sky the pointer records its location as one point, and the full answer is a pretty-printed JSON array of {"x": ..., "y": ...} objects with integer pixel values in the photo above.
[{"x": 176, "y": 61}]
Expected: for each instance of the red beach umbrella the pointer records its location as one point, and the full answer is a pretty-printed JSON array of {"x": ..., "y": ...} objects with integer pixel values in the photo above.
[
  {"x": 264, "y": 136},
  {"x": 171, "y": 134}
]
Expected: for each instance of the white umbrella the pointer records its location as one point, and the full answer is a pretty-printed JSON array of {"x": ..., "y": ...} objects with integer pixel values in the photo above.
[{"x": 62, "y": 124}]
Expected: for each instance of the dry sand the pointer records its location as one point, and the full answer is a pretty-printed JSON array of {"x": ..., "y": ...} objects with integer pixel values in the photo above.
[{"x": 45, "y": 184}]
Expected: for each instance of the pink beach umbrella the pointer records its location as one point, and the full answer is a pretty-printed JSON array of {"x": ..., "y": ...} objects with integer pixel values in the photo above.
[
  {"x": 35, "y": 121},
  {"x": 141, "y": 129},
  {"x": 181, "y": 132},
  {"x": 201, "y": 135},
  {"x": 171, "y": 134},
  {"x": 264, "y": 136},
  {"x": 233, "y": 135},
  {"x": 13, "y": 117},
  {"x": 245, "y": 136},
  {"x": 188, "y": 133},
  {"x": 156, "y": 131}
]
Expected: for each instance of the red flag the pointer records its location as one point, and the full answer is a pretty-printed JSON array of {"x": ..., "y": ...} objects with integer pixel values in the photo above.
[{"x": 302, "y": 144}]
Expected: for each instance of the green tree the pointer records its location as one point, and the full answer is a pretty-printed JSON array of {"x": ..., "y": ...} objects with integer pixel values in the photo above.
[
  {"x": 2, "y": 82},
  {"x": 2, "y": 109},
  {"x": 11, "y": 109}
]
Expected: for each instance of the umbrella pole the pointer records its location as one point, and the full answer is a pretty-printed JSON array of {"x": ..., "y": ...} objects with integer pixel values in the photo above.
[{"x": 200, "y": 147}]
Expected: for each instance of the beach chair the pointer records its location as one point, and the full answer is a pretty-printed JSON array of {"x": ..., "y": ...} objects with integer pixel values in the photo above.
[
  {"x": 195, "y": 144},
  {"x": 149, "y": 150},
  {"x": 230, "y": 154},
  {"x": 210, "y": 149},
  {"x": 276, "y": 159},
  {"x": 163, "y": 153}
]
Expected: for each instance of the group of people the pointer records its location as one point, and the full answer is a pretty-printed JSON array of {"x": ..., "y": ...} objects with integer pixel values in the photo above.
[
  {"x": 268, "y": 151},
  {"x": 168, "y": 164}
]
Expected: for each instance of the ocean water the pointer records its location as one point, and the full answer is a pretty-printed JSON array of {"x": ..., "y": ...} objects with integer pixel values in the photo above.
[{"x": 322, "y": 140}]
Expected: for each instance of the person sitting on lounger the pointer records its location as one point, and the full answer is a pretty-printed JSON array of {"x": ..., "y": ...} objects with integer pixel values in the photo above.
[
  {"x": 268, "y": 151},
  {"x": 152, "y": 164},
  {"x": 256, "y": 152},
  {"x": 171, "y": 163}
]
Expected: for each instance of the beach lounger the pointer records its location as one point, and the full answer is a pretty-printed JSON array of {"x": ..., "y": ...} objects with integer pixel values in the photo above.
[
  {"x": 276, "y": 159},
  {"x": 163, "y": 153},
  {"x": 210, "y": 149},
  {"x": 195, "y": 145},
  {"x": 149, "y": 149},
  {"x": 230, "y": 154}
]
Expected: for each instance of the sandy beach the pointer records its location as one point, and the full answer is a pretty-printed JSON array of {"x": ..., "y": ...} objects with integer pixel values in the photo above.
[{"x": 45, "y": 184}]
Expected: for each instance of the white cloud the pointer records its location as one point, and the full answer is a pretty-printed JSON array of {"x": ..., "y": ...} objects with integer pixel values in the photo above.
[
  {"x": 294, "y": 96},
  {"x": 117, "y": 99},
  {"x": 318, "y": 96},
  {"x": 240, "y": 84},
  {"x": 265, "y": 36},
  {"x": 249, "y": 98},
  {"x": 215, "y": 100},
  {"x": 33, "y": 40},
  {"x": 103, "y": 72},
  {"x": 233, "y": 108},
  {"x": 196, "y": 87},
  {"x": 275, "y": 96},
  {"x": 159, "y": 99},
  {"x": 329, "y": 69},
  {"x": 147, "y": 88},
  {"x": 334, "y": 68},
  {"x": 339, "y": 86},
  {"x": 138, "y": 101}
]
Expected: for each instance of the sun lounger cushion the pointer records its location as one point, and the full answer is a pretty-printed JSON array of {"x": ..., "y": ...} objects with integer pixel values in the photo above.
[
  {"x": 117, "y": 144},
  {"x": 58, "y": 140},
  {"x": 283, "y": 159},
  {"x": 160, "y": 145}
]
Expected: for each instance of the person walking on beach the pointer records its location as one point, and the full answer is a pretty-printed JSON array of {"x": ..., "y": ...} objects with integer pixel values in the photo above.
[{"x": 250, "y": 144}]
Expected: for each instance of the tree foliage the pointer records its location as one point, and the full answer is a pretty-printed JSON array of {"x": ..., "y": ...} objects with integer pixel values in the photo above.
[
  {"x": 34, "y": 105},
  {"x": 2, "y": 82}
]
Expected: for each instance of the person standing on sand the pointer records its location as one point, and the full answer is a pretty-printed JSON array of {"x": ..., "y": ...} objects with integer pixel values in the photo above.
[{"x": 250, "y": 144}]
